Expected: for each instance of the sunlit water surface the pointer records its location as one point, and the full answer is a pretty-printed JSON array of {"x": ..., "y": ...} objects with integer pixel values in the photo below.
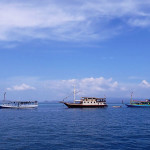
[{"x": 53, "y": 126}]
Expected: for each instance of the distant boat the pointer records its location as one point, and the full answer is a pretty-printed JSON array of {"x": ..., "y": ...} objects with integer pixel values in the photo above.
[
  {"x": 138, "y": 103},
  {"x": 18, "y": 104},
  {"x": 117, "y": 106},
  {"x": 86, "y": 102},
  {"x": 61, "y": 101}
]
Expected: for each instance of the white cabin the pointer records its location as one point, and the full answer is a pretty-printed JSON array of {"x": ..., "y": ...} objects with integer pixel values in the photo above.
[{"x": 92, "y": 101}]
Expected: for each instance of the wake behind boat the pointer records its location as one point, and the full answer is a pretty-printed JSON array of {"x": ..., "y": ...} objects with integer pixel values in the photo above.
[{"x": 18, "y": 104}]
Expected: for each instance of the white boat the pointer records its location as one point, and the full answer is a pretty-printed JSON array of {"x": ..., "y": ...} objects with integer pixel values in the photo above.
[{"x": 18, "y": 104}]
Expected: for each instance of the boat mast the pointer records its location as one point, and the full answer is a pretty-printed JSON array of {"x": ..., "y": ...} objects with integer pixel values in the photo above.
[
  {"x": 4, "y": 96},
  {"x": 74, "y": 93},
  {"x": 131, "y": 97}
]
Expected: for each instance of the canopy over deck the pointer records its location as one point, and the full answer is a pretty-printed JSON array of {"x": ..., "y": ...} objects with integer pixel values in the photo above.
[{"x": 92, "y": 98}]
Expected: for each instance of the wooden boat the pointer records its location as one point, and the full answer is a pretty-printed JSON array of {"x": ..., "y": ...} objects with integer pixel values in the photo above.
[
  {"x": 86, "y": 102},
  {"x": 138, "y": 103},
  {"x": 18, "y": 104}
]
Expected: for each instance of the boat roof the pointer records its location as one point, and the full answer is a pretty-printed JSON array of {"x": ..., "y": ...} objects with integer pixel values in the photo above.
[
  {"x": 93, "y": 98},
  {"x": 20, "y": 101},
  {"x": 140, "y": 101}
]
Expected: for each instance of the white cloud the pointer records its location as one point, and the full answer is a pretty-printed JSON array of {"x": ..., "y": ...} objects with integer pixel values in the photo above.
[
  {"x": 144, "y": 84},
  {"x": 21, "y": 87},
  {"x": 86, "y": 86},
  {"x": 144, "y": 22},
  {"x": 135, "y": 78},
  {"x": 123, "y": 89},
  {"x": 58, "y": 89},
  {"x": 73, "y": 20}
]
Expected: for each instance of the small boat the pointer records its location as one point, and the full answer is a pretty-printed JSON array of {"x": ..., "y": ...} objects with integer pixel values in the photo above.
[
  {"x": 18, "y": 104},
  {"x": 138, "y": 103},
  {"x": 117, "y": 106},
  {"x": 86, "y": 102},
  {"x": 61, "y": 101}
]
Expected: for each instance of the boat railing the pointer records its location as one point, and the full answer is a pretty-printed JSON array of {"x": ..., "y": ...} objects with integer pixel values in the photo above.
[{"x": 20, "y": 102}]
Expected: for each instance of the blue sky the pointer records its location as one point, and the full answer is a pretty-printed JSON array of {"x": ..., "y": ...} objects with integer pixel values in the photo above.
[{"x": 101, "y": 46}]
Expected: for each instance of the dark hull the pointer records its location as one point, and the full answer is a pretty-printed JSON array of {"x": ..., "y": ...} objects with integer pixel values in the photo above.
[
  {"x": 72, "y": 105},
  {"x": 1, "y": 107}
]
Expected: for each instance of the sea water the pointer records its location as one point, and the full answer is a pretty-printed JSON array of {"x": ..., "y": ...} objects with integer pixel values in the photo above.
[{"x": 53, "y": 126}]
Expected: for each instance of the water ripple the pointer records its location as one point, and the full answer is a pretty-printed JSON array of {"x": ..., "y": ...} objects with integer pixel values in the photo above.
[{"x": 53, "y": 126}]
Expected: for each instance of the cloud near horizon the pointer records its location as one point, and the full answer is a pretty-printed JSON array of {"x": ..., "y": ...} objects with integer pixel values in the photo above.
[
  {"x": 96, "y": 87},
  {"x": 144, "y": 84},
  {"x": 85, "y": 85},
  {"x": 21, "y": 87},
  {"x": 70, "y": 21}
]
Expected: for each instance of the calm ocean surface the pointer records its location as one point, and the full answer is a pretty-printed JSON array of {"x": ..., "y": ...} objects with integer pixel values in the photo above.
[{"x": 53, "y": 126}]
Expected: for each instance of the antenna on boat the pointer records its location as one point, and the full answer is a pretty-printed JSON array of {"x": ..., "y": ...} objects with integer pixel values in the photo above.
[
  {"x": 74, "y": 92},
  {"x": 4, "y": 96},
  {"x": 131, "y": 97}
]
